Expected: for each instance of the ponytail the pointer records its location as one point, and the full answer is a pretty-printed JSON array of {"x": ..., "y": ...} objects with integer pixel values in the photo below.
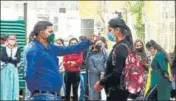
[
  {"x": 129, "y": 36},
  {"x": 125, "y": 30},
  {"x": 153, "y": 44},
  {"x": 32, "y": 36}
]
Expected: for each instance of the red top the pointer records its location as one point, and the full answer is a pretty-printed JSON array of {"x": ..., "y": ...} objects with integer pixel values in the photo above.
[{"x": 77, "y": 58}]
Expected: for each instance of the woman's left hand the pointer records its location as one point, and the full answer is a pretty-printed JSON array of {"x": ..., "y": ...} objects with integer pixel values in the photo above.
[
  {"x": 73, "y": 63},
  {"x": 170, "y": 78},
  {"x": 98, "y": 87}
]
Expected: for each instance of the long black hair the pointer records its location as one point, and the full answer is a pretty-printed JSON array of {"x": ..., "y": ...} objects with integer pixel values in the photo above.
[
  {"x": 72, "y": 40},
  {"x": 39, "y": 26},
  {"x": 153, "y": 44},
  {"x": 124, "y": 29},
  {"x": 143, "y": 50}
]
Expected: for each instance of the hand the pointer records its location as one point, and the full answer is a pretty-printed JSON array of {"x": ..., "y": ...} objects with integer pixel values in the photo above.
[
  {"x": 73, "y": 63},
  {"x": 14, "y": 58},
  {"x": 98, "y": 87},
  {"x": 68, "y": 62},
  {"x": 94, "y": 38},
  {"x": 170, "y": 78},
  {"x": 61, "y": 70}
]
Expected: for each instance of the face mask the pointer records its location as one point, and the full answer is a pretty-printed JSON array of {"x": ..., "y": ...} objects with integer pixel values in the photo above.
[
  {"x": 98, "y": 47},
  {"x": 139, "y": 49},
  {"x": 57, "y": 44},
  {"x": 11, "y": 42},
  {"x": 51, "y": 38},
  {"x": 111, "y": 37}
]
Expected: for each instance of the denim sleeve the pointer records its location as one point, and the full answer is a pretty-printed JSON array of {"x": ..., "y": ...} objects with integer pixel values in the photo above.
[
  {"x": 31, "y": 65},
  {"x": 24, "y": 60},
  {"x": 61, "y": 51},
  {"x": 91, "y": 66}
]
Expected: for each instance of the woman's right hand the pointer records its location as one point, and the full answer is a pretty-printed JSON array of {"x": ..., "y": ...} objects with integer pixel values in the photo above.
[
  {"x": 61, "y": 70},
  {"x": 68, "y": 62},
  {"x": 98, "y": 87}
]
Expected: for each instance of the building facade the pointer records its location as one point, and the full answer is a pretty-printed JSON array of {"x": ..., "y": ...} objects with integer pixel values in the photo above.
[{"x": 160, "y": 23}]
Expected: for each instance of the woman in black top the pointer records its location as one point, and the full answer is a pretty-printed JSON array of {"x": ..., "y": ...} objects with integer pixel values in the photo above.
[
  {"x": 120, "y": 33},
  {"x": 10, "y": 57}
]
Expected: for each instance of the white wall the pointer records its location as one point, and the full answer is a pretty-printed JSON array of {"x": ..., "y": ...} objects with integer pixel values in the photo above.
[{"x": 14, "y": 10}]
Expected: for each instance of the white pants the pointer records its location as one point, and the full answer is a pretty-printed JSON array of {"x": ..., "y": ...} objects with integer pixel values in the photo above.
[{"x": 103, "y": 95}]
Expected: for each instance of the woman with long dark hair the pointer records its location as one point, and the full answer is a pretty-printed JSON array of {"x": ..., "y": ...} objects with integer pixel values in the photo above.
[
  {"x": 72, "y": 65},
  {"x": 140, "y": 54},
  {"x": 121, "y": 34},
  {"x": 160, "y": 72},
  {"x": 10, "y": 56},
  {"x": 96, "y": 64}
]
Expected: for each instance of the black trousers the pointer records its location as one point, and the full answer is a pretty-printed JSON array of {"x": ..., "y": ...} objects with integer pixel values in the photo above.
[
  {"x": 117, "y": 95},
  {"x": 71, "y": 79}
]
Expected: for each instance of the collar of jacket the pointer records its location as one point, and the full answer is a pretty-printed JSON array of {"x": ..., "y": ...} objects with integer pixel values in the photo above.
[{"x": 40, "y": 44}]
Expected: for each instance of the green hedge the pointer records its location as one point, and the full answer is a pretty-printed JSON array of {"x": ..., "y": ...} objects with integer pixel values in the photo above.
[{"x": 18, "y": 28}]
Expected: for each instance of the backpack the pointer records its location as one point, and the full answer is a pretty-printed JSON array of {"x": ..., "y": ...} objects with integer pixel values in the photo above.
[{"x": 132, "y": 78}]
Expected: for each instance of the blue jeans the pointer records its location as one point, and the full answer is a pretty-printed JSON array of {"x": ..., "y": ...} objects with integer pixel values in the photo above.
[
  {"x": 63, "y": 85},
  {"x": 49, "y": 97},
  {"x": 83, "y": 85}
]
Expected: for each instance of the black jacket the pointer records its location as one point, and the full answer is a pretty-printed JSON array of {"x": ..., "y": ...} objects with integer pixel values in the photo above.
[
  {"x": 113, "y": 73},
  {"x": 83, "y": 65},
  {"x": 6, "y": 59}
]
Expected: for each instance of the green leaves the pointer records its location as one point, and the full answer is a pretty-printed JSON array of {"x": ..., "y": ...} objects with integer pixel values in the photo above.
[{"x": 136, "y": 10}]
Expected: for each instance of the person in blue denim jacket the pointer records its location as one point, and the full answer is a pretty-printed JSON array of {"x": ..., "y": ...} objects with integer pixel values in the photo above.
[{"x": 42, "y": 73}]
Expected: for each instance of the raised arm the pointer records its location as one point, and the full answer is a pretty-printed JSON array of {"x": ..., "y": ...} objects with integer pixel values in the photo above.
[{"x": 60, "y": 51}]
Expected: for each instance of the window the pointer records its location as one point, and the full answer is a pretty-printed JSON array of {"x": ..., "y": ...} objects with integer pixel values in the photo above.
[
  {"x": 56, "y": 20},
  {"x": 55, "y": 28},
  {"x": 43, "y": 18},
  {"x": 62, "y": 10},
  {"x": 56, "y": 24},
  {"x": 87, "y": 27},
  {"x": 73, "y": 5}
]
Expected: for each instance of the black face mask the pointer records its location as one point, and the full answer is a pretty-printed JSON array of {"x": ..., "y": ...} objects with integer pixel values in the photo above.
[
  {"x": 98, "y": 47},
  {"x": 139, "y": 49}
]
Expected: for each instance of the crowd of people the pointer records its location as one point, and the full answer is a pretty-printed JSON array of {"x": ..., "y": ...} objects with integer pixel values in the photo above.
[{"x": 52, "y": 68}]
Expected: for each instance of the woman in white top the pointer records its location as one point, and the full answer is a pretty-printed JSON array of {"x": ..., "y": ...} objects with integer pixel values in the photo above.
[{"x": 10, "y": 56}]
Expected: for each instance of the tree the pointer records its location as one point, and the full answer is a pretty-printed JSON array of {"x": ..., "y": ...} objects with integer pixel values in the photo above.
[{"x": 136, "y": 10}]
